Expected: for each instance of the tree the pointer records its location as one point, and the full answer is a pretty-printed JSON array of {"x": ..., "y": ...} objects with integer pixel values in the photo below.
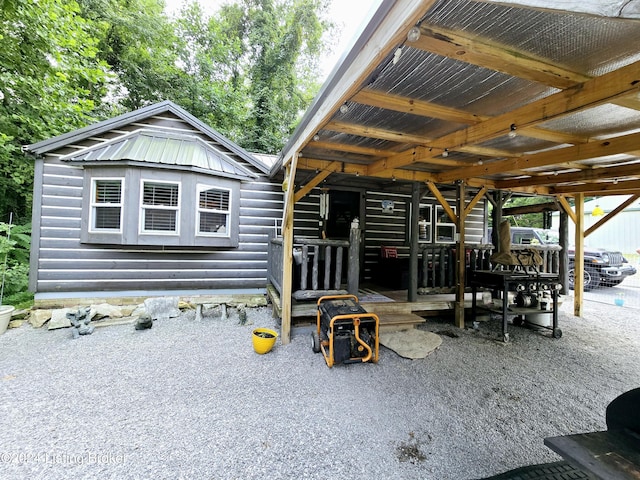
[
  {"x": 50, "y": 82},
  {"x": 253, "y": 67}
]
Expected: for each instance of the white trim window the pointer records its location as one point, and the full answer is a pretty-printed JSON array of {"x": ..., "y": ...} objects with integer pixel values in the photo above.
[
  {"x": 106, "y": 204},
  {"x": 445, "y": 228},
  {"x": 213, "y": 211},
  {"x": 160, "y": 207}
]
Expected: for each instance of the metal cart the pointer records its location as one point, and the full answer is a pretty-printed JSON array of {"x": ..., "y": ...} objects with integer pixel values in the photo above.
[{"x": 346, "y": 332}]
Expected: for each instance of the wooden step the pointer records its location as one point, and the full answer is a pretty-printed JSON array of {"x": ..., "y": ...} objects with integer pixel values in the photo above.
[{"x": 391, "y": 322}]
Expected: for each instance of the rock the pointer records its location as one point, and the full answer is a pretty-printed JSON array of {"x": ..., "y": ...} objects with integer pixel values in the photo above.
[
  {"x": 138, "y": 311},
  {"x": 59, "y": 318},
  {"x": 144, "y": 322},
  {"x": 162, "y": 307},
  {"x": 127, "y": 310},
  {"x": 39, "y": 317},
  {"x": 15, "y": 323},
  {"x": 103, "y": 310}
]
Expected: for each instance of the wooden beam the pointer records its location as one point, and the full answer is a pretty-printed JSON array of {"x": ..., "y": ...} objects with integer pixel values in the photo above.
[
  {"x": 443, "y": 202},
  {"x": 535, "y": 208},
  {"x": 343, "y": 147},
  {"x": 567, "y": 208},
  {"x": 600, "y": 148},
  {"x": 610, "y": 188},
  {"x": 421, "y": 108},
  {"x": 287, "y": 254},
  {"x": 373, "y": 132},
  {"x": 461, "y": 256},
  {"x": 478, "y": 51},
  {"x": 590, "y": 173},
  {"x": 611, "y": 215},
  {"x": 578, "y": 262},
  {"x": 475, "y": 200},
  {"x": 333, "y": 167}
]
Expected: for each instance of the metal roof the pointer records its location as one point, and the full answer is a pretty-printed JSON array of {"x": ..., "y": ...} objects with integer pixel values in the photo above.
[
  {"x": 511, "y": 95},
  {"x": 139, "y": 115},
  {"x": 162, "y": 148}
]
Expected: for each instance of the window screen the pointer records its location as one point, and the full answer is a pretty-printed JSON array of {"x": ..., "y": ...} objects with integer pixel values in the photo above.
[
  {"x": 107, "y": 204},
  {"x": 160, "y": 207},
  {"x": 213, "y": 211}
]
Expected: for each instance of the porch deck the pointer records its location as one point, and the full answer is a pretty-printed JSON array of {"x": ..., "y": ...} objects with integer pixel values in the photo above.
[{"x": 390, "y": 305}]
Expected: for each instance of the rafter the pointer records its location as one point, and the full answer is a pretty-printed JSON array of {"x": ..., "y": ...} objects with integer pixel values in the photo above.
[
  {"x": 590, "y": 94},
  {"x": 480, "y": 52},
  {"x": 333, "y": 167},
  {"x": 343, "y": 147},
  {"x": 373, "y": 132},
  {"x": 582, "y": 176},
  {"x": 609, "y": 188},
  {"x": 602, "y": 148},
  {"x": 402, "y": 104}
]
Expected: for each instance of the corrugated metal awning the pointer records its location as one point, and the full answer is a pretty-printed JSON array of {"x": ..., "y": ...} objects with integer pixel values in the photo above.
[{"x": 164, "y": 148}]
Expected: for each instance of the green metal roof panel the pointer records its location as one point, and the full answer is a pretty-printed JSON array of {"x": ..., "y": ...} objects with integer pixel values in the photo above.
[{"x": 163, "y": 148}]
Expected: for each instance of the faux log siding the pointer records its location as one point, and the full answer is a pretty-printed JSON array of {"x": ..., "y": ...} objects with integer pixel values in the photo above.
[
  {"x": 66, "y": 265},
  {"x": 390, "y": 229}
]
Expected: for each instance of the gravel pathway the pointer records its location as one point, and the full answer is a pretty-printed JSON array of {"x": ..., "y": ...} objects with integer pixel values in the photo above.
[{"x": 191, "y": 399}]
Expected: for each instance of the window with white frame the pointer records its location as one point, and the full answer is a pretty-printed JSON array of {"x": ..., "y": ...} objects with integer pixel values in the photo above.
[
  {"x": 106, "y": 204},
  {"x": 160, "y": 207},
  {"x": 214, "y": 206},
  {"x": 445, "y": 228},
  {"x": 424, "y": 223}
]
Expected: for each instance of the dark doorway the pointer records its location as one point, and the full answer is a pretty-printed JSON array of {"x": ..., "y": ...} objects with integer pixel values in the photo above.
[{"x": 344, "y": 206}]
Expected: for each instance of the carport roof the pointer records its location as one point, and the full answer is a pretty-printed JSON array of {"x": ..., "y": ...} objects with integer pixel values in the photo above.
[{"x": 509, "y": 95}]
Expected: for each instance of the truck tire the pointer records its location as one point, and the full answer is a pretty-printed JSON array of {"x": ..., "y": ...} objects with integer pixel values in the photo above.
[{"x": 591, "y": 278}]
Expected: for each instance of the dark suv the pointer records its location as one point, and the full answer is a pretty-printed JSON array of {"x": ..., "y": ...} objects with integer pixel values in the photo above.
[{"x": 601, "y": 267}]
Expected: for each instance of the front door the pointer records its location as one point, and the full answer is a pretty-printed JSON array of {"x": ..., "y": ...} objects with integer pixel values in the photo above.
[{"x": 344, "y": 206}]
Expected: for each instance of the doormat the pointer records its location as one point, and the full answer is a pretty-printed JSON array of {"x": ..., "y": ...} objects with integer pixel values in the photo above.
[
  {"x": 374, "y": 297},
  {"x": 411, "y": 343}
]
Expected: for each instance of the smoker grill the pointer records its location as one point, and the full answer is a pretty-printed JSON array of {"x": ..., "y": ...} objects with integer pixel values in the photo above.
[{"x": 346, "y": 332}]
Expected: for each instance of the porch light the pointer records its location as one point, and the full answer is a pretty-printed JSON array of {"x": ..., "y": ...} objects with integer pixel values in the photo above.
[
  {"x": 445, "y": 153},
  {"x": 344, "y": 108},
  {"x": 316, "y": 137},
  {"x": 597, "y": 211},
  {"x": 512, "y": 131},
  {"x": 413, "y": 35}
]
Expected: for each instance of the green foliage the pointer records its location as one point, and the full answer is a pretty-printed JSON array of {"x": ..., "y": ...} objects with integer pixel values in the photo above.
[
  {"x": 14, "y": 254},
  {"x": 50, "y": 83}
]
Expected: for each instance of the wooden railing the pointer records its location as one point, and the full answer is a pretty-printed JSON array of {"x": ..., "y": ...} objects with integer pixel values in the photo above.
[
  {"x": 318, "y": 267},
  {"x": 437, "y": 263}
]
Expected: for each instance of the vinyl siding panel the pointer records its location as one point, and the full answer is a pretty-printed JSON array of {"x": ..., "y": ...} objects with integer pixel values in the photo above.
[{"x": 64, "y": 264}]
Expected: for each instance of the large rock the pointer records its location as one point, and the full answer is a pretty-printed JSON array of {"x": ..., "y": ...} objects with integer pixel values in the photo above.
[
  {"x": 59, "y": 318},
  {"x": 163, "y": 307},
  {"x": 38, "y": 318},
  {"x": 103, "y": 310}
]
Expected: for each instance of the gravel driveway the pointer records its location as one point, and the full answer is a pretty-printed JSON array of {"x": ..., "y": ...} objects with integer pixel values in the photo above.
[{"x": 191, "y": 399}]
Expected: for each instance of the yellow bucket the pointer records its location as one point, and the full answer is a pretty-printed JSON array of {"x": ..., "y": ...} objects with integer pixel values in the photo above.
[{"x": 263, "y": 340}]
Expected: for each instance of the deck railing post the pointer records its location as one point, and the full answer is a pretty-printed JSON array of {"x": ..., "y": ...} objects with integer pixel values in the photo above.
[{"x": 353, "y": 269}]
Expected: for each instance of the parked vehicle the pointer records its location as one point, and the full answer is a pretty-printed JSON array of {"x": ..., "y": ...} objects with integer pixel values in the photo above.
[{"x": 602, "y": 267}]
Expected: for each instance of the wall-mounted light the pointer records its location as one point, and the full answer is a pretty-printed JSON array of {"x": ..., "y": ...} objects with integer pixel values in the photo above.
[
  {"x": 512, "y": 131},
  {"x": 344, "y": 108},
  {"x": 414, "y": 34},
  {"x": 445, "y": 153}
]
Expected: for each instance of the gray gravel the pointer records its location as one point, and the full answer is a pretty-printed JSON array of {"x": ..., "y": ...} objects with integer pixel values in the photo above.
[{"x": 191, "y": 399}]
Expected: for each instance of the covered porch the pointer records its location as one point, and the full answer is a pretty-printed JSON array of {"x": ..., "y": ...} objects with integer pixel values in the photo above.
[{"x": 470, "y": 102}]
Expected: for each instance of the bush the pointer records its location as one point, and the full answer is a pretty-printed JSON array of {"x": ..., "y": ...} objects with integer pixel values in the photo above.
[{"x": 15, "y": 241}]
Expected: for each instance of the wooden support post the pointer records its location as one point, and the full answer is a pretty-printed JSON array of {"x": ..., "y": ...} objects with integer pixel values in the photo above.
[
  {"x": 353, "y": 269},
  {"x": 412, "y": 294},
  {"x": 564, "y": 254},
  {"x": 460, "y": 257},
  {"x": 287, "y": 252},
  {"x": 578, "y": 262}
]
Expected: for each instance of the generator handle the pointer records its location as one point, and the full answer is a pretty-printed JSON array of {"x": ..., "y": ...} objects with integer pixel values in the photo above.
[{"x": 334, "y": 297}]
